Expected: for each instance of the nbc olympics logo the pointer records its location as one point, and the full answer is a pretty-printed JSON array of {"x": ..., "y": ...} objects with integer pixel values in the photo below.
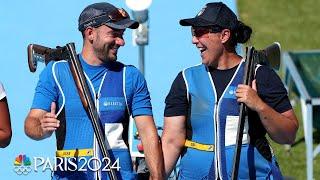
[{"x": 22, "y": 164}]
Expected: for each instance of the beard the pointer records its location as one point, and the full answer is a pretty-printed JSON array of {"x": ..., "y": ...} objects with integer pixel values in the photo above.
[
  {"x": 107, "y": 53},
  {"x": 104, "y": 50}
]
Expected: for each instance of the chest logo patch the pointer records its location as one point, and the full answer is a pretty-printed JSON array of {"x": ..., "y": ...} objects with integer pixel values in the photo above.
[
  {"x": 112, "y": 103},
  {"x": 231, "y": 92}
]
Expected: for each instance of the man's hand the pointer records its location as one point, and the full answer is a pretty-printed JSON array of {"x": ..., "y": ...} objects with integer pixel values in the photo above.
[
  {"x": 249, "y": 95},
  {"x": 49, "y": 122}
]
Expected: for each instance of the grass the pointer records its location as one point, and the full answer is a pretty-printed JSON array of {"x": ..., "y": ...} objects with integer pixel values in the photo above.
[
  {"x": 296, "y": 26},
  {"x": 293, "y": 160},
  {"x": 294, "y": 23}
]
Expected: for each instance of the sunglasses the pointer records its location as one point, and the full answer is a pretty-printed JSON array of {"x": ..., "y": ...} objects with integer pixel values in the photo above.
[
  {"x": 116, "y": 15},
  {"x": 203, "y": 32}
]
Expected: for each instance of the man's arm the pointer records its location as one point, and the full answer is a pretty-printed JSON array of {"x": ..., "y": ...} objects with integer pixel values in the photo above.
[
  {"x": 5, "y": 125},
  {"x": 40, "y": 124},
  {"x": 173, "y": 139},
  {"x": 151, "y": 145},
  {"x": 281, "y": 127}
]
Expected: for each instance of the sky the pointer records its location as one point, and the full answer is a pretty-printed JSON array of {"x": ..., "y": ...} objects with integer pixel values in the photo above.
[{"x": 54, "y": 22}]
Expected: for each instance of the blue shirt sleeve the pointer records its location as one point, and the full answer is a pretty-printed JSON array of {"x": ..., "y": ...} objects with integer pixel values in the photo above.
[
  {"x": 141, "y": 101},
  {"x": 46, "y": 90}
]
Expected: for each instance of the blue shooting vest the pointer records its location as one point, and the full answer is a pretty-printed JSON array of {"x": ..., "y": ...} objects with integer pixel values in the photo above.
[
  {"x": 215, "y": 122},
  {"x": 76, "y": 131}
]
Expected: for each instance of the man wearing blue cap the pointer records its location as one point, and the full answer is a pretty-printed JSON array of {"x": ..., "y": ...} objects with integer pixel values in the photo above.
[
  {"x": 119, "y": 91},
  {"x": 202, "y": 107}
]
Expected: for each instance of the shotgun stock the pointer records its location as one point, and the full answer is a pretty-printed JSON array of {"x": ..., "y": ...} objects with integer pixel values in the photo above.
[{"x": 38, "y": 53}]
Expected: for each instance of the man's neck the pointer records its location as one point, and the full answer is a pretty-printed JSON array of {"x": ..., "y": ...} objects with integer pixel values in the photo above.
[{"x": 89, "y": 56}]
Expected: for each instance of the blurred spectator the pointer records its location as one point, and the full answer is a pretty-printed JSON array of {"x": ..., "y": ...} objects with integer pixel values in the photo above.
[{"x": 5, "y": 125}]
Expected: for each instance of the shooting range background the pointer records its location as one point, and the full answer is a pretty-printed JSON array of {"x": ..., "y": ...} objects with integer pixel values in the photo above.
[{"x": 53, "y": 23}]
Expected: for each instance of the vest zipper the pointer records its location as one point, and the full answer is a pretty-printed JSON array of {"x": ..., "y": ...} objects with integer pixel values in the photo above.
[
  {"x": 216, "y": 140},
  {"x": 215, "y": 121},
  {"x": 97, "y": 96},
  {"x": 219, "y": 172}
]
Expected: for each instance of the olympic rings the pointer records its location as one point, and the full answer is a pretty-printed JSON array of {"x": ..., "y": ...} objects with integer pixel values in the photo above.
[{"x": 22, "y": 170}]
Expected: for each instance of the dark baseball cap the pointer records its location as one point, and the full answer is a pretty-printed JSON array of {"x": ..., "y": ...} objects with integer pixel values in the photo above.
[
  {"x": 97, "y": 14},
  {"x": 213, "y": 14}
]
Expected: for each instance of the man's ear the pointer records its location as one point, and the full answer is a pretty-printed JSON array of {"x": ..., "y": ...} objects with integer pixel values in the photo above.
[
  {"x": 89, "y": 33},
  {"x": 225, "y": 35}
]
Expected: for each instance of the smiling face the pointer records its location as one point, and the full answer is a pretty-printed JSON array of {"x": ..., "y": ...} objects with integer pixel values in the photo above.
[
  {"x": 106, "y": 42},
  {"x": 210, "y": 42}
]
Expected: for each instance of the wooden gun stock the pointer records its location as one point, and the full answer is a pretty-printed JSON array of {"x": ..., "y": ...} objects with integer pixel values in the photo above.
[{"x": 38, "y": 53}]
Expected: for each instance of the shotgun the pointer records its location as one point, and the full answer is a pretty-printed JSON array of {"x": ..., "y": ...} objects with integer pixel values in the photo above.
[{"x": 269, "y": 56}]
